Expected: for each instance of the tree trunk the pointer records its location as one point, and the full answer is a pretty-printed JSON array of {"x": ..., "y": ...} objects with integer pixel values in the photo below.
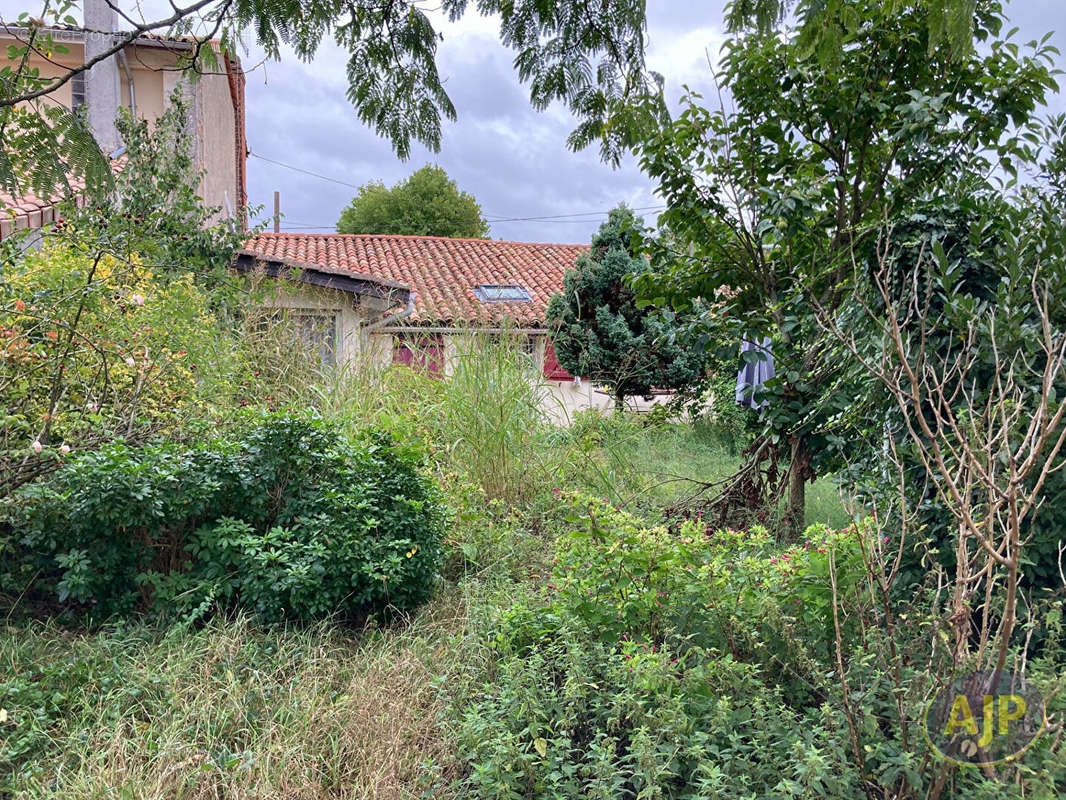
[
  {"x": 619, "y": 402},
  {"x": 797, "y": 488}
]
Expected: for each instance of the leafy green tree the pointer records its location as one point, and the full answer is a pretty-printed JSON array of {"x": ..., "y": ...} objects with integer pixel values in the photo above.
[
  {"x": 428, "y": 203},
  {"x": 599, "y": 331},
  {"x": 774, "y": 198},
  {"x": 825, "y": 24}
]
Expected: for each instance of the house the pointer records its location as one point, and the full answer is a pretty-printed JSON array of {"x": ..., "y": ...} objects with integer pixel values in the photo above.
[
  {"x": 334, "y": 305},
  {"x": 141, "y": 77},
  {"x": 404, "y": 299},
  {"x": 440, "y": 290}
]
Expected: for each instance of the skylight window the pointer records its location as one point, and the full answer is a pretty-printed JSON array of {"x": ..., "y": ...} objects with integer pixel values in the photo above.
[{"x": 502, "y": 293}]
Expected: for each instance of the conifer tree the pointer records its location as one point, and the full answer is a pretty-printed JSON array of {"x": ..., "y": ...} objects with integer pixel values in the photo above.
[{"x": 599, "y": 332}]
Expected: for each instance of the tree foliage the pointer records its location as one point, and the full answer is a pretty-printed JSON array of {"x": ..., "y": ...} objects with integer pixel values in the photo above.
[
  {"x": 588, "y": 56},
  {"x": 824, "y": 25},
  {"x": 598, "y": 330},
  {"x": 428, "y": 203},
  {"x": 118, "y": 326},
  {"x": 289, "y": 519},
  {"x": 772, "y": 199}
]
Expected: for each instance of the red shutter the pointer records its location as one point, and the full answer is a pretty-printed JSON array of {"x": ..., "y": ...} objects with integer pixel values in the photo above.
[
  {"x": 401, "y": 352},
  {"x": 420, "y": 351},
  {"x": 553, "y": 370},
  {"x": 433, "y": 354}
]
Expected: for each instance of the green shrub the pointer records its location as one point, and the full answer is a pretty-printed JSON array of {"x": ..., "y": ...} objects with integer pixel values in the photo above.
[
  {"x": 572, "y": 718},
  {"x": 288, "y": 518},
  {"x": 93, "y": 349},
  {"x": 696, "y": 663},
  {"x": 694, "y": 585},
  {"x": 662, "y": 663}
]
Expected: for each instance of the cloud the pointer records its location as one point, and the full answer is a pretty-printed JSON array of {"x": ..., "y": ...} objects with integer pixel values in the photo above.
[{"x": 513, "y": 159}]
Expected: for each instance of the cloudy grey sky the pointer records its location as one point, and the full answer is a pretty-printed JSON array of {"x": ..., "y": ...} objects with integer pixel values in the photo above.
[{"x": 513, "y": 159}]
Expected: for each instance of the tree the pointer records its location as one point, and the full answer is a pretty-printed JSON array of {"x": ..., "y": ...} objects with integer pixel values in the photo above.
[
  {"x": 775, "y": 198},
  {"x": 824, "y": 25},
  {"x": 598, "y": 330},
  {"x": 586, "y": 55},
  {"x": 119, "y": 325},
  {"x": 428, "y": 203},
  {"x": 974, "y": 432}
]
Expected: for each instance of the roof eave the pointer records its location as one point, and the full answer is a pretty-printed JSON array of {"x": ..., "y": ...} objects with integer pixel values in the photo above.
[
  {"x": 73, "y": 34},
  {"x": 319, "y": 275}
]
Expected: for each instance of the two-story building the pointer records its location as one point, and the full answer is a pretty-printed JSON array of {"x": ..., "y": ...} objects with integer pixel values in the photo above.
[{"x": 140, "y": 77}]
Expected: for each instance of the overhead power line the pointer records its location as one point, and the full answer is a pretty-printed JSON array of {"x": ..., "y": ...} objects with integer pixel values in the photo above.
[
  {"x": 304, "y": 171},
  {"x": 563, "y": 217},
  {"x": 489, "y": 217}
]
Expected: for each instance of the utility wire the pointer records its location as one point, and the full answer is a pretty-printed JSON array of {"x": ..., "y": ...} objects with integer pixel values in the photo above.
[
  {"x": 304, "y": 171},
  {"x": 488, "y": 217},
  {"x": 559, "y": 217}
]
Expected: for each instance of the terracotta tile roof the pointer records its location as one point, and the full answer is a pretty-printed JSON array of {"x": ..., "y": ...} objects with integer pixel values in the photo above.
[
  {"x": 442, "y": 272},
  {"x": 28, "y": 211}
]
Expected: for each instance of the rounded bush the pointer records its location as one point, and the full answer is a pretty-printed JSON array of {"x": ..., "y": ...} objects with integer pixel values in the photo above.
[{"x": 288, "y": 518}]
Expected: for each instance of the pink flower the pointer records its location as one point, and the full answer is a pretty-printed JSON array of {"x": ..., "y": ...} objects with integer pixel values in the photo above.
[
  {"x": 93, "y": 407},
  {"x": 137, "y": 299},
  {"x": 64, "y": 448},
  {"x": 130, "y": 362},
  {"x": 37, "y": 447}
]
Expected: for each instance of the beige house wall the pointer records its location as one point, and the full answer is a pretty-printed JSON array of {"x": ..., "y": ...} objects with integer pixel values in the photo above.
[
  {"x": 155, "y": 75},
  {"x": 567, "y": 398},
  {"x": 216, "y": 142}
]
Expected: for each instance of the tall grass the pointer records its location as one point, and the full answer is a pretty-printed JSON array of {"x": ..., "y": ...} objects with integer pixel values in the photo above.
[
  {"x": 648, "y": 467},
  {"x": 484, "y": 417},
  {"x": 491, "y": 413},
  {"x": 231, "y": 710}
]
